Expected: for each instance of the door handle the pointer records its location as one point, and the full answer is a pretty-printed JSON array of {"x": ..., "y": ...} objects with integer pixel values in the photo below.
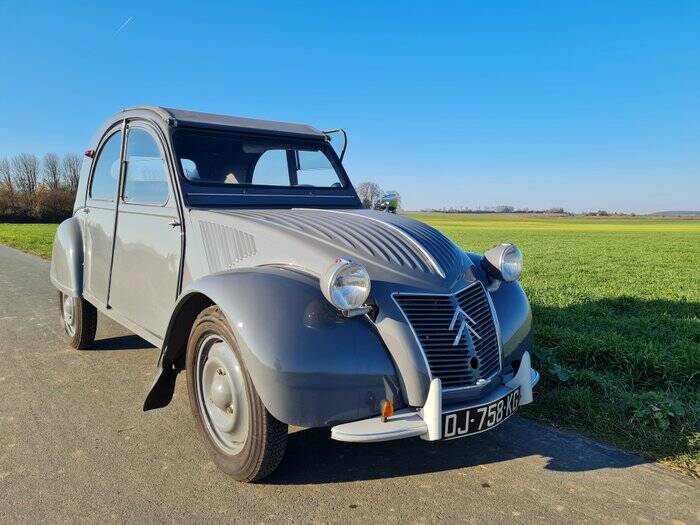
[
  {"x": 86, "y": 210},
  {"x": 174, "y": 223}
]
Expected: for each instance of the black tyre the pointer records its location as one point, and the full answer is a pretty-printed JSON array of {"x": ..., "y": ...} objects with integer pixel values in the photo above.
[
  {"x": 243, "y": 438},
  {"x": 79, "y": 320}
]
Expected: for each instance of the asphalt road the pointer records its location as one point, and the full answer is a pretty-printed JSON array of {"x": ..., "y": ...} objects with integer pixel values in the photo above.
[{"x": 75, "y": 446}]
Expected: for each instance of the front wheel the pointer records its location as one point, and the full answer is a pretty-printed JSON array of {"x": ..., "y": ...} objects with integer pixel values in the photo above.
[
  {"x": 79, "y": 320},
  {"x": 243, "y": 438}
]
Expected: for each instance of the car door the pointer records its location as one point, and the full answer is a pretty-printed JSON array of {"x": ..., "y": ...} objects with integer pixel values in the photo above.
[
  {"x": 147, "y": 246},
  {"x": 100, "y": 215}
]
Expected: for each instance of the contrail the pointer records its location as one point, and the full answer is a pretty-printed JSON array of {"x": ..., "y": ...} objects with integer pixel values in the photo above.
[{"x": 123, "y": 25}]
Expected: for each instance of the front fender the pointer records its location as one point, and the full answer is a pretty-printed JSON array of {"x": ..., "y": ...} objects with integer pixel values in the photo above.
[
  {"x": 67, "y": 258},
  {"x": 512, "y": 312},
  {"x": 514, "y": 319},
  {"x": 310, "y": 365}
]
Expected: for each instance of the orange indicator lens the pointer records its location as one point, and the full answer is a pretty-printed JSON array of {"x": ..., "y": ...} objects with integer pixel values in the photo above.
[{"x": 387, "y": 408}]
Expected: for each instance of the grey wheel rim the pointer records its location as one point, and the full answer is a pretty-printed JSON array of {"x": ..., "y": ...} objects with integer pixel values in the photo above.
[
  {"x": 221, "y": 394},
  {"x": 68, "y": 314}
]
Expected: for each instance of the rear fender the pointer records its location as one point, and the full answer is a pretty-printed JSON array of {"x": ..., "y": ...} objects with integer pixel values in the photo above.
[
  {"x": 67, "y": 258},
  {"x": 310, "y": 365}
]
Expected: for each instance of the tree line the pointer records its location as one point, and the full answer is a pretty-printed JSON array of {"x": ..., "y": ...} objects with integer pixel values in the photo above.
[
  {"x": 38, "y": 190},
  {"x": 499, "y": 209},
  {"x": 515, "y": 210}
]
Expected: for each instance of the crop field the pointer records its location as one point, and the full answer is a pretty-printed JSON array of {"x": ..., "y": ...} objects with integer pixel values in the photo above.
[{"x": 616, "y": 306}]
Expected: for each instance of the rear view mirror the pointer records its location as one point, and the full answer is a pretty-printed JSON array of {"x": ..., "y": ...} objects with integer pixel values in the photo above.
[
  {"x": 339, "y": 140},
  {"x": 390, "y": 201}
]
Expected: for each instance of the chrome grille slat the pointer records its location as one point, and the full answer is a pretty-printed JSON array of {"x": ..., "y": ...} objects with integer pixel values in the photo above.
[
  {"x": 448, "y": 354},
  {"x": 430, "y": 317}
]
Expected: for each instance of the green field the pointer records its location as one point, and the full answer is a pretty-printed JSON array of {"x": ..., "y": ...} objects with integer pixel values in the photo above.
[
  {"x": 616, "y": 306},
  {"x": 32, "y": 238}
]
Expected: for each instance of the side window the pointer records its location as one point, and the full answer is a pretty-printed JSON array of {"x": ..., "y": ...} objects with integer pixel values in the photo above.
[
  {"x": 316, "y": 170},
  {"x": 189, "y": 169},
  {"x": 106, "y": 176},
  {"x": 146, "y": 180},
  {"x": 271, "y": 168}
]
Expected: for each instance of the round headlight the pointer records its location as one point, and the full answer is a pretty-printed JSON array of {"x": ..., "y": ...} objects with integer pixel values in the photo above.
[
  {"x": 504, "y": 262},
  {"x": 346, "y": 285},
  {"x": 511, "y": 263}
]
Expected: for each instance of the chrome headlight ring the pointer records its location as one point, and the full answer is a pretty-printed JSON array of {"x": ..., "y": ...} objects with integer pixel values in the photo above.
[
  {"x": 503, "y": 262},
  {"x": 346, "y": 285}
]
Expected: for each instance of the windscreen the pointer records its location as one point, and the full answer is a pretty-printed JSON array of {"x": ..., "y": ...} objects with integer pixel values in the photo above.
[{"x": 219, "y": 158}]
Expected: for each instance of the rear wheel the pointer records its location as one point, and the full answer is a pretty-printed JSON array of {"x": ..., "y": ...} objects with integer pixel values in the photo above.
[
  {"x": 243, "y": 438},
  {"x": 79, "y": 320}
]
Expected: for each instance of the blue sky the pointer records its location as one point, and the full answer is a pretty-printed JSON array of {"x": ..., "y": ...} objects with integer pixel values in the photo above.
[{"x": 584, "y": 105}]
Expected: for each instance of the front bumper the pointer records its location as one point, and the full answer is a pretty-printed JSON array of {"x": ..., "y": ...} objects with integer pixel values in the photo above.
[{"x": 426, "y": 422}]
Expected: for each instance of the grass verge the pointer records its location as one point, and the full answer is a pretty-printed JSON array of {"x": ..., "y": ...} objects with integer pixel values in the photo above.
[{"x": 32, "y": 238}]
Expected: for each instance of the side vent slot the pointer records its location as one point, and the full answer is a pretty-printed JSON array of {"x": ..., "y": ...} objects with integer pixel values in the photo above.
[{"x": 225, "y": 247}]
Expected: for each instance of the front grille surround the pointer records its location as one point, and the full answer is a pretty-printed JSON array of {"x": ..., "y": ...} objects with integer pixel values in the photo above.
[{"x": 436, "y": 326}]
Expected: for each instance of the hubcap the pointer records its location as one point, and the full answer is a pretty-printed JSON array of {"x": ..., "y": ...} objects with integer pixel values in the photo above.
[
  {"x": 68, "y": 315},
  {"x": 221, "y": 394}
]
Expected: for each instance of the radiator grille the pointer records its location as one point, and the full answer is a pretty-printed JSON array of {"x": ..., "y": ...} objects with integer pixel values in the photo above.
[{"x": 456, "y": 332}]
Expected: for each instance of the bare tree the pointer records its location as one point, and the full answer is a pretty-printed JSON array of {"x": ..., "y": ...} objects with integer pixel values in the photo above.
[
  {"x": 71, "y": 170},
  {"x": 369, "y": 193},
  {"x": 7, "y": 193},
  {"x": 52, "y": 175},
  {"x": 6, "y": 175},
  {"x": 25, "y": 167}
]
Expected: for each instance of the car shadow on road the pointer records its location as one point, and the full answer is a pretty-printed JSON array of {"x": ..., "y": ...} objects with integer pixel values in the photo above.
[
  {"x": 313, "y": 457},
  {"x": 122, "y": 342}
]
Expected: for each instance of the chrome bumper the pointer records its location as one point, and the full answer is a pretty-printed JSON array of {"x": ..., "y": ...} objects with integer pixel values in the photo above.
[{"x": 426, "y": 422}]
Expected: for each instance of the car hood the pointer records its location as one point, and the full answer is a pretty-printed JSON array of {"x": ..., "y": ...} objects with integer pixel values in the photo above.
[{"x": 389, "y": 245}]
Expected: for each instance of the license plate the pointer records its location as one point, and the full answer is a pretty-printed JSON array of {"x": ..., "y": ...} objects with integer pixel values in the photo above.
[{"x": 473, "y": 420}]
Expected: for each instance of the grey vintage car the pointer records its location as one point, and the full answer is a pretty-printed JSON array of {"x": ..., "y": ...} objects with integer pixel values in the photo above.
[{"x": 240, "y": 248}]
